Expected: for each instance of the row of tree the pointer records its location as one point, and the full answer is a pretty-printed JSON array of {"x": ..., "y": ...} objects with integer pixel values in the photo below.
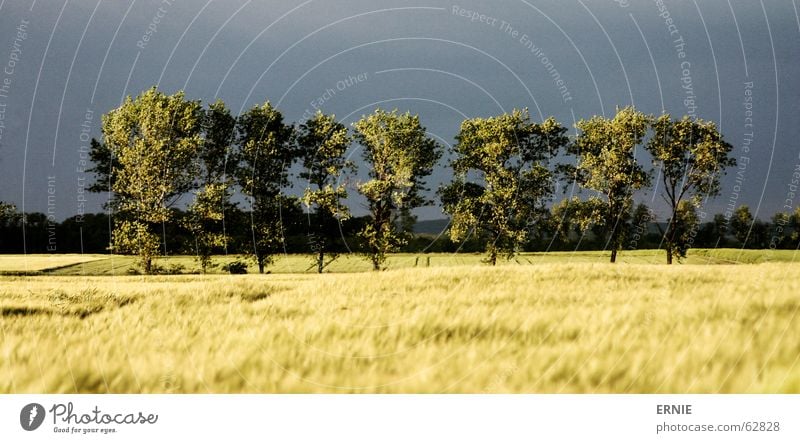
[
  {"x": 510, "y": 155},
  {"x": 157, "y": 149}
]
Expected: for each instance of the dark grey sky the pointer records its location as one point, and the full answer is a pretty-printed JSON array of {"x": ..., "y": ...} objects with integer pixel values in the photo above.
[{"x": 432, "y": 57}]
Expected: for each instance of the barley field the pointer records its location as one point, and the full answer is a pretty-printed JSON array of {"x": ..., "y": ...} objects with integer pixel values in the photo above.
[{"x": 547, "y": 325}]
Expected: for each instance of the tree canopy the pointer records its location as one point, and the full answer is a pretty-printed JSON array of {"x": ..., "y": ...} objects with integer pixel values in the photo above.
[
  {"x": 323, "y": 143},
  {"x": 175, "y": 168},
  {"x": 265, "y": 153},
  {"x": 400, "y": 155},
  {"x": 605, "y": 150},
  {"x": 153, "y": 141},
  {"x": 691, "y": 155},
  {"x": 508, "y": 153}
]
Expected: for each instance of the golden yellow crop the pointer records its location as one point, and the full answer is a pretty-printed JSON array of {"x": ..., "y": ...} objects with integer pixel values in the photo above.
[{"x": 559, "y": 327}]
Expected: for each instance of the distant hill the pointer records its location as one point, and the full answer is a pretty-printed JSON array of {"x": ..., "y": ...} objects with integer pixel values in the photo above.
[{"x": 431, "y": 226}]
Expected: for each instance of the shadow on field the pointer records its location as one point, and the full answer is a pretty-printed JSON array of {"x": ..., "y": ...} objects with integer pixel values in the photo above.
[
  {"x": 22, "y": 311},
  {"x": 80, "y": 305}
]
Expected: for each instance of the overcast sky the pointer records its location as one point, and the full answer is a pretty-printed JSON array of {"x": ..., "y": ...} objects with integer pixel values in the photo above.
[{"x": 62, "y": 60}]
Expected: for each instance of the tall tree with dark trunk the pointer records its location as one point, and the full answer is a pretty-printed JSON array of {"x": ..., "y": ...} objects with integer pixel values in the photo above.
[
  {"x": 265, "y": 152},
  {"x": 400, "y": 155},
  {"x": 508, "y": 153},
  {"x": 692, "y": 155},
  {"x": 323, "y": 144},
  {"x": 212, "y": 196},
  {"x": 606, "y": 164},
  {"x": 153, "y": 141}
]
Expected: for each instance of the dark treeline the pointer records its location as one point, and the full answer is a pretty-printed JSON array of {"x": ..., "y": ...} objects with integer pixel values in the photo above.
[
  {"x": 158, "y": 150},
  {"x": 90, "y": 234}
]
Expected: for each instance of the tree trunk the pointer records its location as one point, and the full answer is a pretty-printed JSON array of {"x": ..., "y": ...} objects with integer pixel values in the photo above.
[
  {"x": 321, "y": 239},
  {"x": 148, "y": 265},
  {"x": 380, "y": 225},
  {"x": 670, "y": 235},
  {"x": 493, "y": 258},
  {"x": 613, "y": 237},
  {"x": 260, "y": 260},
  {"x": 612, "y": 222}
]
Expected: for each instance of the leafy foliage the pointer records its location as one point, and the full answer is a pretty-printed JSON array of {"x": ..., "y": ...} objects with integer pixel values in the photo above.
[
  {"x": 691, "y": 154},
  {"x": 138, "y": 238},
  {"x": 9, "y": 218},
  {"x": 219, "y": 134},
  {"x": 8, "y": 213},
  {"x": 508, "y": 152},
  {"x": 400, "y": 156},
  {"x": 605, "y": 149},
  {"x": 206, "y": 214},
  {"x": 101, "y": 158},
  {"x": 153, "y": 141},
  {"x": 741, "y": 223},
  {"x": 323, "y": 144},
  {"x": 157, "y": 150},
  {"x": 794, "y": 223},
  {"x": 203, "y": 220},
  {"x": 576, "y": 216},
  {"x": 685, "y": 226},
  {"x": 265, "y": 153}
]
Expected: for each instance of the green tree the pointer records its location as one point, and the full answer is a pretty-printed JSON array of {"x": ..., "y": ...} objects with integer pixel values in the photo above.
[
  {"x": 509, "y": 154},
  {"x": 759, "y": 235},
  {"x": 8, "y": 214},
  {"x": 606, "y": 164},
  {"x": 721, "y": 228},
  {"x": 692, "y": 155},
  {"x": 685, "y": 228},
  {"x": 741, "y": 222},
  {"x": 10, "y": 219},
  {"x": 153, "y": 141},
  {"x": 641, "y": 218},
  {"x": 100, "y": 157},
  {"x": 219, "y": 133},
  {"x": 323, "y": 144},
  {"x": 400, "y": 156},
  {"x": 265, "y": 153},
  {"x": 794, "y": 224},
  {"x": 576, "y": 217},
  {"x": 779, "y": 231},
  {"x": 205, "y": 218},
  {"x": 564, "y": 218}
]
